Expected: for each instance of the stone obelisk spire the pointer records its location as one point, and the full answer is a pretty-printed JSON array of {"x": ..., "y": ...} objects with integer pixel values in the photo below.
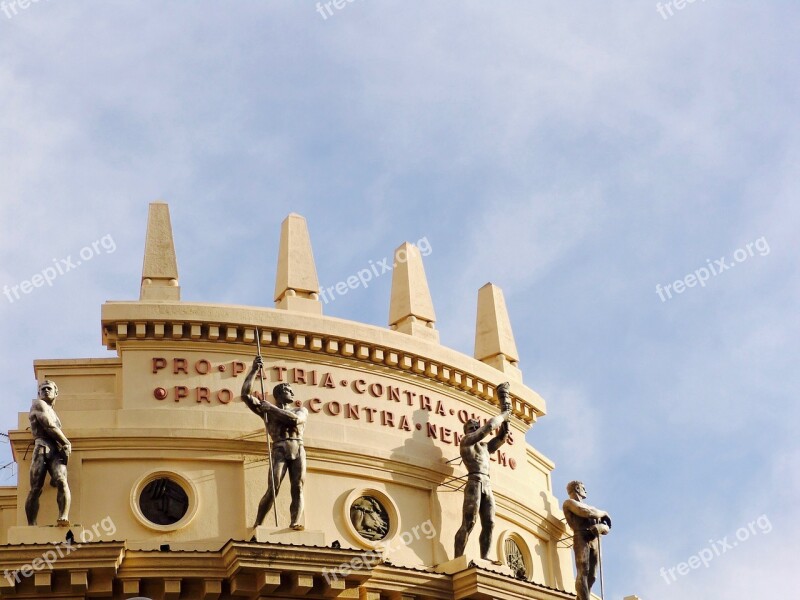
[
  {"x": 411, "y": 308},
  {"x": 296, "y": 283},
  {"x": 160, "y": 269},
  {"x": 494, "y": 339}
]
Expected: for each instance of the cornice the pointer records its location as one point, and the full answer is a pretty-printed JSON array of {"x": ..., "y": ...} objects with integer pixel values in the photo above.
[
  {"x": 252, "y": 569},
  {"x": 126, "y": 323}
]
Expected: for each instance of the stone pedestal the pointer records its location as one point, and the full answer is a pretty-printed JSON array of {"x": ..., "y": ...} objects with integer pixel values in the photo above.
[
  {"x": 284, "y": 535},
  {"x": 462, "y": 563},
  {"x": 24, "y": 534}
]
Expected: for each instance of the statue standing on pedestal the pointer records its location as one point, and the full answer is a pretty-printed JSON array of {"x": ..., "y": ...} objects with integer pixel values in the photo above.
[
  {"x": 588, "y": 524},
  {"x": 478, "y": 497},
  {"x": 285, "y": 425},
  {"x": 51, "y": 452}
]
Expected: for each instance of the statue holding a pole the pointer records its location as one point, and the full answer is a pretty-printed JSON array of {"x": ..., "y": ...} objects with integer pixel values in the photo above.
[
  {"x": 588, "y": 524},
  {"x": 284, "y": 424}
]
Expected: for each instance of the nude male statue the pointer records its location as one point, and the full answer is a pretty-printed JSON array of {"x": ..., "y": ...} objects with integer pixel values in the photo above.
[
  {"x": 588, "y": 524},
  {"x": 51, "y": 452},
  {"x": 285, "y": 424},
  {"x": 478, "y": 496}
]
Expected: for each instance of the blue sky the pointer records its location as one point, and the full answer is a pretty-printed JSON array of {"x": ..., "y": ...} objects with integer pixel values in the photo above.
[{"x": 576, "y": 154}]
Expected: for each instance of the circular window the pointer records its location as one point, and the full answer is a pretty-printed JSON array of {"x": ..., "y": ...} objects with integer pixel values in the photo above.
[{"x": 164, "y": 501}]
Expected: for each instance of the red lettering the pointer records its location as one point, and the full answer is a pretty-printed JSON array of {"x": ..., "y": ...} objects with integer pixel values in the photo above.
[
  {"x": 463, "y": 416},
  {"x": 279, "y": 373},
  {"x": 510, "y": 438},
  {"x": 203, "y": 394},
  {"x": 360, "y": 386},
  {"x": 313, "y": 378},
  {"x": 237, "y": 367},
  {"x": 410, "y": 396},
  {"x": 202, "y": 363},
  {"x": 393, "y": 393},
  {"x": 440, "y": 408},
  {"x": 370, "y": 413},
  {"x": 180, "y": 365},
  {"x": 501, "y": 458},
  {"x": 181, "y": 391},
  {"x": 424, "y": 402},
  {"x": 299, "y": 375},
  {"x": 457, "y": 437},
  {"x": 445, "y": 434},
  {"x": 404, "y": 424},
  {"x": 351, "y": 411},
  {"x": 330, "y": 408},
  {"x": 224, "y": 395},
  {"x": 431, "y": 431},
  {"x": 327, "y": 381},
  {"x": 376, "y": 390},
  {"x": 313, "y": 405},
  {"x": 387, "y": 418},
  {"x": 158, "y": 364}
]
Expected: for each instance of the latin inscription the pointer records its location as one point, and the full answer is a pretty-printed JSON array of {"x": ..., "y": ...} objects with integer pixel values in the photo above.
[{"x": 357, "y": 410}]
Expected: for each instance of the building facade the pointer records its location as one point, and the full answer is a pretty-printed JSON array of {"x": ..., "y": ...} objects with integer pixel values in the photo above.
[{"x": 168, "y": 464}]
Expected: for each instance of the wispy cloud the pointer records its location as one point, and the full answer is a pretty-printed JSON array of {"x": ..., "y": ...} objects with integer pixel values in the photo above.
[{"x": 574, "y": 157}]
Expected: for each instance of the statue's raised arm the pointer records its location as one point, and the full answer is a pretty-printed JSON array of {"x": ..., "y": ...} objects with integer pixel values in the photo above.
[
  {"x": 253, "y": 403},
  {"x": 504, "y": 397}
]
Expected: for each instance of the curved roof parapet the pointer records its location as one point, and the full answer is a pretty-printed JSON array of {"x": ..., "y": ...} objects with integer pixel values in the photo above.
[
  {"x": 411, "y": 344},
  {"x": 283, "y": 329}
]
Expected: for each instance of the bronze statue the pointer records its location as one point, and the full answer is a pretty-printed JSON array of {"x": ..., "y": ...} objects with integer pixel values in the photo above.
[
  {"x": 478, "y": 497},
  {"x": 588, "y": 524},
  {"x": 285, "y": 425},
  {"x": 51, "y": 452}
]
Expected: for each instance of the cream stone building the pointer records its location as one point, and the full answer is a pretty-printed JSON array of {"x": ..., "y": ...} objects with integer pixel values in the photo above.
[{"x": 168, "y": 464}]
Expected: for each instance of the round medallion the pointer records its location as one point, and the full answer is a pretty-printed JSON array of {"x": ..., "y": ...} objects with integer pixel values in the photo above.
[
  {"x": 515, "y": 554},
  {"x": 369, "y": 518},
  {"x": 163, "y": 501},
  {"x": 515, "y": 559}
]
